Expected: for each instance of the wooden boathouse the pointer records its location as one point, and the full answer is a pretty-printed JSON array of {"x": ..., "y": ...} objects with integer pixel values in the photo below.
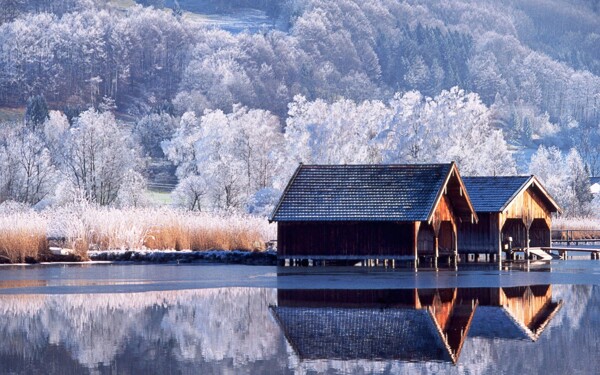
[
  {"x": 371, "y": 212},
  {"x": 515, "y": 213}
]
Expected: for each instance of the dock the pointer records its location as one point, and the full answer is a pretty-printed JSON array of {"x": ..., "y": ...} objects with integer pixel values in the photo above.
[{"x": 564, "y": 250}]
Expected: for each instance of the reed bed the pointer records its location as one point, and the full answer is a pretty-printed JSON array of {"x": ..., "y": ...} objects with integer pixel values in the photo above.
[
  {"x": 22, "y": 236},
  {"x": 579, "y": 228},
  {"x": 83, "y": 228},
  {"x": 162, "y": 229}
]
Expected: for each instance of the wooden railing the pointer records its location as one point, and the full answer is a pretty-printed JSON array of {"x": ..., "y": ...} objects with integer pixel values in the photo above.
[{"x": 575, "y": 236}]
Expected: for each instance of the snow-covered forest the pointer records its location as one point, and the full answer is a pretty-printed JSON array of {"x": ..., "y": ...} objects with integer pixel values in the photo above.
[{"x": 100, "y": 99}]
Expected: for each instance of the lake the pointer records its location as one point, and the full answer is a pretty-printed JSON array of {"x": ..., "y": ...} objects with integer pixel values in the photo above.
[{"x": 232, "y": 319}]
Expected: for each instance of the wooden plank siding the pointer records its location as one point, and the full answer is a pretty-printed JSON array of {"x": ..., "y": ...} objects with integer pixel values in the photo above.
[
  {"x": 344, "y": 239},
  {"x": 443, "y": 224},
  {"x": 359, "y": 212},
  {"x": 527, "y": 217},
  {"x": 480, "y": 237},
  {"x": 528, "y": 207}
]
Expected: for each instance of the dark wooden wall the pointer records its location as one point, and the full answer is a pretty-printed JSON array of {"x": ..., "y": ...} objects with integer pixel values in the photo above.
[
  {"x": 528, "y": 209},
  {"x": 344, "y": 239},
  {"x": 425, "y": 242},
  {"x": 445, "y": 239},
  {"x": 539, "y": 234},
  {"x": 482, "y": 237}
]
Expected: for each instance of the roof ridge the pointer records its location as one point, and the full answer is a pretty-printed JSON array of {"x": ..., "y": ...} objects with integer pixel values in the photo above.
[
  {"x": 506, "y": 176},
  {"x": 377, "y": 165}
]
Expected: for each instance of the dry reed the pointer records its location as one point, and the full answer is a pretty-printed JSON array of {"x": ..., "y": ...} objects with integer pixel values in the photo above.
[
  {"x": 579, "y": 228},
  {"x": 22, "y": 236},
  {"x": 579, "y": 223},
  {"x": 160, "y": 229}
]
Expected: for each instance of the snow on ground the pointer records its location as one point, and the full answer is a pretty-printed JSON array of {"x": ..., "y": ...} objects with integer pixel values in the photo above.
[{"x": 186, "y": 256}]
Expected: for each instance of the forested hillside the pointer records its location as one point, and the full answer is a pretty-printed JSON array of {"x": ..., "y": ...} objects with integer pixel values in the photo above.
[{"x": 485, "y": 83}]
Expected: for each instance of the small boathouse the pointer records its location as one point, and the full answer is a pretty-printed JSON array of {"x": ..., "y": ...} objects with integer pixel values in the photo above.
[
  {"x": 515, "y": 213},
  {"x": 371, "y": 212}
]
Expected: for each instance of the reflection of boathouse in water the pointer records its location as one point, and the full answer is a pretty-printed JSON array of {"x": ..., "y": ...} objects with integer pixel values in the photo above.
[{"x": 408, "y": 324}]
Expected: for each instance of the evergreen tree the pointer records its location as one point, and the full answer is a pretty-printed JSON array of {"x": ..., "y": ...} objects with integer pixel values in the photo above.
[
  {"x": 580, "y": 184},
  {"x": 37, "y": 112},
  {"x": 177, "y": 11},
  {"x": 11, "y": 9}
]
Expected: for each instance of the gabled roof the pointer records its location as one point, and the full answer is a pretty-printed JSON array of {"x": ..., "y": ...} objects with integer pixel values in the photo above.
[
  {"x": 407, "y": 192},
  {"x": 492, "y": 194},
  {"x": 498, "y": 322},
  {"x": 495, "y": 193},
  {"x": 359, "y": 333}
]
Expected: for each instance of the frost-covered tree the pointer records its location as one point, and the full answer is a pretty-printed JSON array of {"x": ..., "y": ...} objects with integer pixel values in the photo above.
[
  {"x": 11, "y": 9},
  {"x": 27, "y": 174},
  {"x": 565, "y": 177},
  {"x": 235, "y": 154},
  {"x": 181, "y": 148},
  {"x": 579, "y": 181},
  {"x": 154, "y": 129},
  {"x": 263, "y": 202},
  {"x": 190, "y": 193},
  {"x": 54, "y": 132},
  {"x": 132, "y": 192},
  {"x": 98, "y": 153},
  {"x": 410, "y": 128}
]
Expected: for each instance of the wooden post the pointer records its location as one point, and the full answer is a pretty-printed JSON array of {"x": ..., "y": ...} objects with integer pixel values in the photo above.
[
  {"x": 527, "y": 245},
  {"x": 501, "y": 220},
  {"x": 550, "y": 233},
  {"x": 527, "y": 223},
  {"x": 455, "y": 232},
  {"x": 436, "y": 251},
  {"x": 416, "y": 226}
]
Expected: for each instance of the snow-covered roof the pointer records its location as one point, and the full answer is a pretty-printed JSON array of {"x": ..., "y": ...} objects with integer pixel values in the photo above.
[
  {"x": 398, "y": 192},
  {"x": 495, "y": 193}
]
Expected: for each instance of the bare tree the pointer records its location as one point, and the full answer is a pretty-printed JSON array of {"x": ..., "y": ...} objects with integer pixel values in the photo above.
[{"x": 98, "y": 154}]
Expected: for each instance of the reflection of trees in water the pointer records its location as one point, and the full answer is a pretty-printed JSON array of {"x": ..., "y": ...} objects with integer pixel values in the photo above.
[
  {"x": 566, "y": 346},
  {"x": 204, "y": 325},
  {"x": 231, "y": 330},
  {"x": 580, "y": 295},
  {"x": 569, "y": 342}
]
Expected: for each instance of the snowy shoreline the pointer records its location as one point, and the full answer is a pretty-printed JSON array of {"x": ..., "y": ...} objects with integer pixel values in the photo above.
[{"x": 186, "y": 256}]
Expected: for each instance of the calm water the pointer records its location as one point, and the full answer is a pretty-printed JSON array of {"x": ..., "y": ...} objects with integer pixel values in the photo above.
[{"x": 203, "y": 319}]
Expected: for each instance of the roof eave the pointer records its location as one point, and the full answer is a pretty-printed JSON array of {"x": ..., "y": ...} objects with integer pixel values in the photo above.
[
  {"x": 548, "y": 196},
  {"x": 529, "y": 182},
  {"x": 287, "y": 187}
]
